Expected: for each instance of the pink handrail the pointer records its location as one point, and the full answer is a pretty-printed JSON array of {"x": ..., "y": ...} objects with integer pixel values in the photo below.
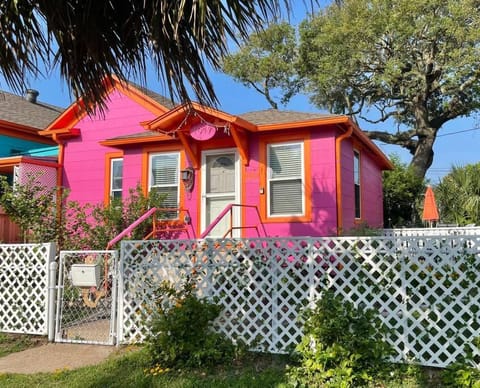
[
  {"x": 132, "y": 226},
  {"x": 222, "y": 214},
  {"x": 216, "y": 221}
]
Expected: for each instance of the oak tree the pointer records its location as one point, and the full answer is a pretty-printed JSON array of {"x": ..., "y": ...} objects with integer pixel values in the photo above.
[{"x": 407, "y": 67}]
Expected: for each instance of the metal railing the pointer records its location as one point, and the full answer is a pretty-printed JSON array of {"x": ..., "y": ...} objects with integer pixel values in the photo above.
[{"x": 229, "y": 210}]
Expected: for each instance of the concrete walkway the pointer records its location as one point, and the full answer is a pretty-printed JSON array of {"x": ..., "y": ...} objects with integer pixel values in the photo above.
[{"x": 55, "y": 357}]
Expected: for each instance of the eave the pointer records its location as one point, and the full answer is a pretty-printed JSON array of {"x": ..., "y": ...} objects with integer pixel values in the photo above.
[
  {"x": 303, "y": 124},
  {"x": 61, "y": 133},
  {"x": 77, "y": 110},
  {"x": 135, "y": 140},
  {"x": 7, "y": 163},
  {"x": 175, "y": 117},
  {"x": 23, "y": 132}
]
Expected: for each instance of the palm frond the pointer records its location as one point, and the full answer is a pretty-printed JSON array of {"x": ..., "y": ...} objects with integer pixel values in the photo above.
[{"x": 94, "y": 40}]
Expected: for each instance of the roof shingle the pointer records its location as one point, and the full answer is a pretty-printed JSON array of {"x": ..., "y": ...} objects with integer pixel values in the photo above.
[
  {"x": 16, "y": 109},
  {"x": 275, "y": 116}
]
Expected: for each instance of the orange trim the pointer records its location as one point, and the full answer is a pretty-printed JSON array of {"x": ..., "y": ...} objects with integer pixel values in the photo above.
[
  {"x": 146, "y": 152},
  {"x": 303, "y": 137},
  {"x": 64, "y": 133},
  {"x": 22, "y": 132},
  {"x": 243, "y": 198},
  {"x": 340, "y": 120},
  {"x": 338, "y": 175},
  {"x": 76, "y": 111},
  {"x": 140, "y": 98},
  {"x": 136, "y": 140},
  {"x": 108, "y": 166},
  {"x": 241, "y": 142},
  {"x": 191, "y": 150},
  {"x": 68, "y": 119},
  {"x": 170, "y": 120},
  {"x": 16, "y": 160},
  {"x": 303, "y": 124}
]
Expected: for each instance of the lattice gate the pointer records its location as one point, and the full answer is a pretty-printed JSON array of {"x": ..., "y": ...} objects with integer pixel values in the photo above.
[
  {"x": 24, "y": 282},
  {"x": 86, "y": 299}
]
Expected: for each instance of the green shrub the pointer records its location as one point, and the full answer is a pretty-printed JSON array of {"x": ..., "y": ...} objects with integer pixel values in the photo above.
[
  {"x": 93, "y": 226},
  {"x": 463, "y": 373},
  {"x": 181, "y": 329},
  {"x": 342, "y": 346}
]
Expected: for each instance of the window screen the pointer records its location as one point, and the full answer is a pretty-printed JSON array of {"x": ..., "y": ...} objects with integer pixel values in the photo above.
[
  {"x": 285, "y": 179},
  {"x": 116, "y": 178},
  {"x": 164, "y": 177},
  {"x": 356, "y": 179}
]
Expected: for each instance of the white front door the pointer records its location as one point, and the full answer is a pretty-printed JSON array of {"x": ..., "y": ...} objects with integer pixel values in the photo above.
[{"x": 220, "y": 187}]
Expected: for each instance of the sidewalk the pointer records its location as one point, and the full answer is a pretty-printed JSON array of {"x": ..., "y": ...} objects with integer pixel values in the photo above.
[{"x": 55, "y": 357}]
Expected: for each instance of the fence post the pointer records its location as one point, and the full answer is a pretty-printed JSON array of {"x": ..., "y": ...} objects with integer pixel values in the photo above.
[{"x": 52, "y": 282}]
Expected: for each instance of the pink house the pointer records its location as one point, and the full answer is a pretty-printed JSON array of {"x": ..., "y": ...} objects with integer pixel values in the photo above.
[{"x": 285, "y": 173}]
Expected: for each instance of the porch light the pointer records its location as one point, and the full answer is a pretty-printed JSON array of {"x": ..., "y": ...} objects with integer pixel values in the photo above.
[{"x": 188, "y": 178}]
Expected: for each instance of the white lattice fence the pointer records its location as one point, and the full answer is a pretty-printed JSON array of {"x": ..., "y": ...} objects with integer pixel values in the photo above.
[
  {"x": 24, "y": 280},
  {"x": 439, "y": 231},
  {"x": 425, "y": 289}
]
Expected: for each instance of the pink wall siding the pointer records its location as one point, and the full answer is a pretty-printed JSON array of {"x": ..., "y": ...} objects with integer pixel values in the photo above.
[
  {"x": 370, "y": 186},
  {"x": 84, "y": 164},
  {"x": 323, "y": 201},
  {"x": 348, "y": 189},
  {"x": 132, "y": 169},
  {"x": 372, "y": 192},
  {"x": 84, "y": 174}
]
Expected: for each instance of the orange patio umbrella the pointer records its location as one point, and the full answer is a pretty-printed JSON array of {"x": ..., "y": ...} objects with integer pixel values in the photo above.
[{"x": 430, "y": 211}]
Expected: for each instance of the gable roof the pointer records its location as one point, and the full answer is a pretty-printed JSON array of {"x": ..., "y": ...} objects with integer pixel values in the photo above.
[
  {"x": 17, "y": 110},
  {"x": 162, "y": 100},
  {"x": 65, "y": 123}
]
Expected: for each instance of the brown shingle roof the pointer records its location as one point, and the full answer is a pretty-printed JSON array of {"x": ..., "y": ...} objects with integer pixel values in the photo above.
[
  {"x": 275, "y": 116},
  {"x": 16, "y": 109},
  {"x": 162, "y": 100}
]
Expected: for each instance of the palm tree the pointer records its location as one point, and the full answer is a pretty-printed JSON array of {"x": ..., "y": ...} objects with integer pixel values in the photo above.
[
  {"x": 94, "y": 40},
  {"x": 458, "y": 195}
]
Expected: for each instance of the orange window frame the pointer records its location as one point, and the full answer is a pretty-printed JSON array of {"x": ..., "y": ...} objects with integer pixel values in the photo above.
[
  {"x": 147, "y": 151},
  {"x": 108, "y": 172},
  {"x": 264, "y": 142}
]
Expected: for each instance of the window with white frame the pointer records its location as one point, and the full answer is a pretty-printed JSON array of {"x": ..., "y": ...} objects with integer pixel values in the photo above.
[
  {"x": 116, "y": 178},
  {"x": 285, "y": 179},
  {"x": 356, "y": 180},
  {"x": 164, "y": 177}
]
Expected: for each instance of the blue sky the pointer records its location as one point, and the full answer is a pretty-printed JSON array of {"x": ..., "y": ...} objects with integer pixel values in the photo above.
[{"x": 457, "y": 144}]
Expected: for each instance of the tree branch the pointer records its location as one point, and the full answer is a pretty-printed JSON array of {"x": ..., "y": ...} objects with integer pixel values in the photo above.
[{"x": 403, "y": 139}]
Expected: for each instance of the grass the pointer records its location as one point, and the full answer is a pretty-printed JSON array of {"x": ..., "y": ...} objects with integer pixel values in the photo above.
[
  {"x": 10, "y": 343},
  {"x": 133, "y": 369}
]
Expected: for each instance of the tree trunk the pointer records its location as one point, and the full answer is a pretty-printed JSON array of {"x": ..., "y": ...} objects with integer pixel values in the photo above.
[{"x": 423, "y": 156}]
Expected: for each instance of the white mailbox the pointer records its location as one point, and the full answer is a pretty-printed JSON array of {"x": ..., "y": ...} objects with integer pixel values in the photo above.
[{"x": 85, "y": 275}]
